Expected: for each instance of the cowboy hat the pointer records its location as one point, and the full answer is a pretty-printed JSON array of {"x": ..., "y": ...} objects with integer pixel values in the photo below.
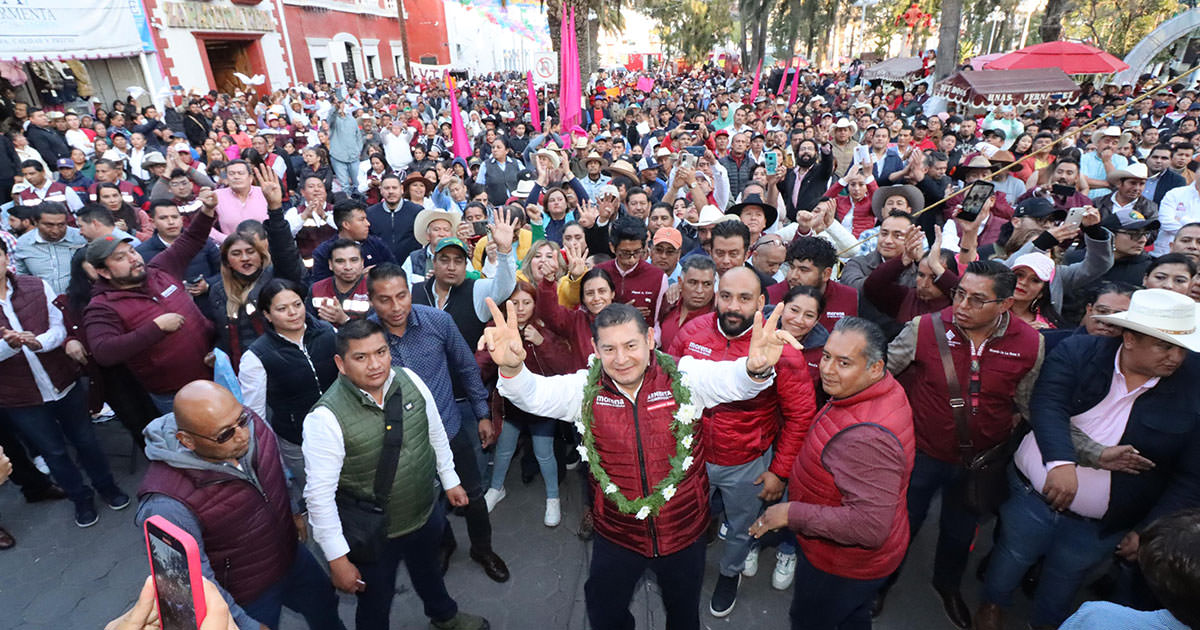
[
  {"x": 975, "y": 160},
  {"x": 710, "y": 215},
  {"x": 417, "y": 177},
  {"x": 846, "y": 123},
  {"x": 623, "y": 167},
  {"x": 1133, "y": 171},
  {"x": 1161, "y": 314},
  {"x": 595, "y": 157},
  {"x": 1111, "y": 131},
  {"x": 549, "y": 155},
  {"x": 524, "y": 187},
  {"x": 427, "y": 216},
  {"x": 769, "y": 211},
  {"x": 916, "y": 200}
]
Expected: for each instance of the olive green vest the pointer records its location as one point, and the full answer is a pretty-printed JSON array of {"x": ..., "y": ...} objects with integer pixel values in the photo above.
[{"x": 362, "y": 422}]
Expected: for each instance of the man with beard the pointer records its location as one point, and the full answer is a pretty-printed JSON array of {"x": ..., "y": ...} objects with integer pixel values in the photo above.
[
  {"x": 803, "y": 185},
  {"x": 1061, "y": 192},
  {"x": 142, "y": 314},
  {"x": 742, "y": 464},
  {"x": 810, "y": 263},
  {"x": 168, "y": 225}
]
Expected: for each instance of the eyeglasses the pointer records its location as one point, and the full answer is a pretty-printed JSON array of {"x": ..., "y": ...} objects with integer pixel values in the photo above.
[
  {"x": 227, "y": 433},
  {"x": 973, "y": 301},
  {"x": 1135, "y": 234},
  {"x": 629, "y": 254}
]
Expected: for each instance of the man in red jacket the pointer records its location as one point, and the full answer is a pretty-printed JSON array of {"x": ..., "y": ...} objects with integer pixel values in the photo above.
[
  {"x": 810, "y": 262},
  {"x": 848, "y": 485},
  {"x": 996, "y": 358},
  {"x": 740, "y": 438},
  {"x": 142, "y": 315},
  {"x": 638, "y": 283},
  {"x": 651, "y": 509}
]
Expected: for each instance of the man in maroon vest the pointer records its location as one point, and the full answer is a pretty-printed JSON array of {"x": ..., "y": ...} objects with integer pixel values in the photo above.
[
  {"x": 41, "y": 188},
  {"x": 638, "y": 283},
  {"x": 652, "y": 511},
  {"x": 848, "y": 485},
  {"x": 42, "y": 395},
  {"x": 342, "y": 296},
  {"x": 997, "y": 358},
  {"x": 810, "y": 262},
  {"x": 215, "y": 472}
]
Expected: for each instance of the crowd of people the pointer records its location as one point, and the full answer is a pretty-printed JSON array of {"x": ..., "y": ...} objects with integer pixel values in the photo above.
[{"x": 774, "y": 323}]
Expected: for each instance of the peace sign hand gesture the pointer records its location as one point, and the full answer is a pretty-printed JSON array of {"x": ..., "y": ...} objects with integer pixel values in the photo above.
[
  {"x": 767, "y": 342},
  {"x": 503, "y": 341}
]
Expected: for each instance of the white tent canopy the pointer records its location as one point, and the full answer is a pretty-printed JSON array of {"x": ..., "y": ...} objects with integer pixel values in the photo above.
[{"x": 43, "y": 30}]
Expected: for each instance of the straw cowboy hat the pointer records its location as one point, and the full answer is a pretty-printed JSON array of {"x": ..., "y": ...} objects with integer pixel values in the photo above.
[
  {"x": 417, "y": 177},
  {"x": 1161, "y": 314},
  {"x": 1111, "y": 131},
  {"x": 623, "y": 167},
  {"x": 916, "y": 200},
  {"x": 711, "y": 215},
  {"x": 425, "y": 217},
  {"x": 595, "y": 157}
]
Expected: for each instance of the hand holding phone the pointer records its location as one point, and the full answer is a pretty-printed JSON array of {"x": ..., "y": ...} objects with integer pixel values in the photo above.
[
  {"x": 175, "y": 567},
  {"x": 1075, "y": 216},
  {"x": 974, "y": 200}
]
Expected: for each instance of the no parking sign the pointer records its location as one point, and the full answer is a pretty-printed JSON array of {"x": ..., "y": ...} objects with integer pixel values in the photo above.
[{"x": 545, "y": 67}]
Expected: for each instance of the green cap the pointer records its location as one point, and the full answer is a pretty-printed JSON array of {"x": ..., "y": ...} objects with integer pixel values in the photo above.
[{"x": 451, "y": 241}]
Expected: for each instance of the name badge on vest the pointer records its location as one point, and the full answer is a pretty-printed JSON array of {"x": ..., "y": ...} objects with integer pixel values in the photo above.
[{"x": 169, "y": 290}]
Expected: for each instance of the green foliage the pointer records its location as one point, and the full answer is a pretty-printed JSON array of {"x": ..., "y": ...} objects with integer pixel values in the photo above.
[
  {"x": 1116, "y": 25},
  {"x": 692, "y": 28}
]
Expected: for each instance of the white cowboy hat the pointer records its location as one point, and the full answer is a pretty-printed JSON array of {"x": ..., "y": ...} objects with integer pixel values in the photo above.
[
  {"x": 1161, "y": 314},
  {"x": 425, "y": 217},
  {"x": 711, "y": 215},
  {"x": 846, "y": 123}
]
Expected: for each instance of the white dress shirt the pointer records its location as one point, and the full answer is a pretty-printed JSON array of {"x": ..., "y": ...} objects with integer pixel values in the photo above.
[
  {"x": 325, "y": 450},
  {"x": 54, "y": 337},
  {"x": 1179, "y": 207}
]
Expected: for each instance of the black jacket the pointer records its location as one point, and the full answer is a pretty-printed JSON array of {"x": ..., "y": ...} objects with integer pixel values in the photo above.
[
  {"x": 812, "y": 187},
  {"x": 1168, "y": 180},
  {"x": 295, "y": 378},
  {"x": 48, "y": 142}
]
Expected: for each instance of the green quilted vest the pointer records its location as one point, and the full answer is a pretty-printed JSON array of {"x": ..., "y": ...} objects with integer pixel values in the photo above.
[{"x": 362, "y": 422}]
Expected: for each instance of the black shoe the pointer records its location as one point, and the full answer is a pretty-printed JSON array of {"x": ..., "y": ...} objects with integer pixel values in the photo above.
[
  {"x": 724, "y": 595},
  {"x": 50, "y": 492},
  {"x": 116, "y": 499},
  {"x": 955, "y": 607},
  {"x": 448, "y": 547},
  {"x": 492, "y": 565},
  {"x": 85, "y": 514},
  {"x": 880, "y": 600}
]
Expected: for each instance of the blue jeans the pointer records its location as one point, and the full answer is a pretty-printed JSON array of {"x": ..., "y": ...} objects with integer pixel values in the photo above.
[
  {"x": 470, "y": 425},
  {"x": 542, "y": 433},
  {"x": 742, "y": 505},
  {"x": 1070, "y": 543},
  {"x": 823, "y": 601},
  {"x": 165, "y": 403},
  {"x": 419, "y": 550},
  {"x": 615, "y": 573},
  {"x": 49, "y": 426},
  {"x": 305, "y": 589},
  {"x": 346, "y": 174},
  {"x": 957, "y": 524}
]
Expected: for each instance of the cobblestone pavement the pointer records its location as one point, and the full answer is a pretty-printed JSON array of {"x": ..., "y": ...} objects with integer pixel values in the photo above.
[{"x": 59, "y": 577}]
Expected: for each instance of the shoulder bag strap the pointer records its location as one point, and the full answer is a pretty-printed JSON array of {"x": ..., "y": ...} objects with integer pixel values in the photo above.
[
  {"x": 393, "y": 439},
  {"x": 957, "y": 404}
]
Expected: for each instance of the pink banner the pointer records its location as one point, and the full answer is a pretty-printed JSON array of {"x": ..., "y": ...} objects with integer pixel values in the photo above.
[
  {"x": 572, "y": 106},
  {"x": 754, "y": 88},
  {"x": 645, "y": 84},
  {"x": 535, "y": 115},
  {"x": 795, "y": 85},
  {"x": 458, "y": 133},
  {"x": 782, "y": 81}
]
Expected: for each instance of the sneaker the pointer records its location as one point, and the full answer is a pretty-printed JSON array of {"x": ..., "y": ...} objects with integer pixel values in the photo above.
[
  {"x": 553, "y": 513},
  {"x": 106, "y": 413},
  {"x": 85, "y": 514},
  {"x": 785, "y": 571},
  {"x": 461, "y": 621},
  {"x": 117, "y": 501},
  {"x": 724, "y": 531},
  {"x": 493, "y": 496},
  {"x": 724, "y": 595},
  {"x": 39, "y": 463},
  {"x": 573, "y": 460},
  {"x": 751, "y": 567}
]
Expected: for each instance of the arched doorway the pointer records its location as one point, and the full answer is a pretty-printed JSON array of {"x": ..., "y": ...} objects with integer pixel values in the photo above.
[{"x": 346, "y": 53}]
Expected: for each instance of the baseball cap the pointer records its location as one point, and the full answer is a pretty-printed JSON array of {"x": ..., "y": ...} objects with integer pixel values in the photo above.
[
  {"x": 450, "y": 241},
  {"x": 100, "y": 249},
  {"x": 668, "y": 235},
  {"x": 608, "y": 190},
  {"x": 1038, "y": 208},
  {"x": 65, "y": 163},
  {"x": 1130, "y": 220},
  {"x": 1041, "y": 265}
]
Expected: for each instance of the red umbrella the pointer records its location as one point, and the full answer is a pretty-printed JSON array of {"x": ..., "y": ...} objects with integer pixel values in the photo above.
[{"x": 1073, "y": 58}]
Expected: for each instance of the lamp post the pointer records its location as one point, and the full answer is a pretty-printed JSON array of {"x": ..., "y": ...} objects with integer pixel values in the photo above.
[
  {"x": 862, "y": 27},
  {"x": 995, "y": 17}
]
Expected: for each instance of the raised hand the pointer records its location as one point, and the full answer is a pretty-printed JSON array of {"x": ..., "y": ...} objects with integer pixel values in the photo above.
[
  {"x": 767, "y": 342},
  {"x": 503, "y": 341},
  {"x": 503, "y": 231},
  {"x": 269, "y": 183},
  {"x": 587, "y": 214},
  {"x": 576, "y": 260}
]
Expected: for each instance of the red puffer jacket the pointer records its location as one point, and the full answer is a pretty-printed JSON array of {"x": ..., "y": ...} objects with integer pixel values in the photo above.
[
  {"x": 635, "y": 444},
  {"x": 736, "y": 433}
]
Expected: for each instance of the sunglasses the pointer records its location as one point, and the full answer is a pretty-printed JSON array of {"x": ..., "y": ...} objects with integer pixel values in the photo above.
[{"x": 227, "y": 433}]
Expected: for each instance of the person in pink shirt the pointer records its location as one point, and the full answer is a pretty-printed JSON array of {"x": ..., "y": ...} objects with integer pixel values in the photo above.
[{"x": 240, "y": 201}]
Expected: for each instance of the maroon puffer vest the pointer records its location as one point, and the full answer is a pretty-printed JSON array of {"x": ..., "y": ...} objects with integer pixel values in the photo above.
[
  {"x": 635, "y": 444},
  {"x": 249, "y": 536},
  {"x": 17, "y": 387},
  {"x": 1004, "y": 362},
  {"x": 883, "y": 404},
  {"x": 57, "y": 193}
]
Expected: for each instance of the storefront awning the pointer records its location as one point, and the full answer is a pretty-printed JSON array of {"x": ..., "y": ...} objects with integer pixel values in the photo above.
[
  {"x": 1019, "y": 88},
  {"x": 895, "y": 69},
  {"x": 44, "y": 30}
]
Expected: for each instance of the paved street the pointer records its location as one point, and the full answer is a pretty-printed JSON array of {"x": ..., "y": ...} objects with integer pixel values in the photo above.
[{"x": 60, "y": 577}]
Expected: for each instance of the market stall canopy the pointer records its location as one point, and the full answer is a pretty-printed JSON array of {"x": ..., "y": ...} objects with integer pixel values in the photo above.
[
  {"x": 977, "y": 63},
  {"x": 1019, "y": 88},
  {"x": 44, "y": 30},
  {"x": 1070, "y": 57},
  {"x": 895, "y": 69}
]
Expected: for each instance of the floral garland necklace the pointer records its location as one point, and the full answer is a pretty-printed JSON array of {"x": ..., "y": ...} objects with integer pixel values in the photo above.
[{"x": 683, "y": 427}]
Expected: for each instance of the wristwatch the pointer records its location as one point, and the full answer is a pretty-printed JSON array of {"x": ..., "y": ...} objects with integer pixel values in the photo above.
[{"x": 763, "y": 375}]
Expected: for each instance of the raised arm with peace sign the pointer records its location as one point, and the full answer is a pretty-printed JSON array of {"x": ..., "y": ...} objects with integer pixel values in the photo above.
[
  {"x": 767, "y": 342},
  {"x": 503, "y": 341}
]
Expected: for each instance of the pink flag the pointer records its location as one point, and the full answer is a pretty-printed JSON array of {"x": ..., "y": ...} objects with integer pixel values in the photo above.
[
  {"x": 646, "y": 84},
  {"x": 782, "y": 81},
  {"x": 754, "y": 88},
  {"x": 534, "y": 111},
  {"x": 458, "y": 133},
  {"x": 795, "y": 85},
  {"x": 571, "y": 106}
]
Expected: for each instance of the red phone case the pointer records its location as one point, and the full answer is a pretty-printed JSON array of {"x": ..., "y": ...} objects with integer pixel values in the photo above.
[{"x": 192, "y": 552}]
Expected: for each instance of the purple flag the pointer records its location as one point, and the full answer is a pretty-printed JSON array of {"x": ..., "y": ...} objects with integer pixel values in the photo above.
[{"x": 534, "y": 113}]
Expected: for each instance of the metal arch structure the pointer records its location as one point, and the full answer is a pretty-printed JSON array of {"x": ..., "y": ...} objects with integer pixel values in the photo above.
[{"x": 1157, "y": 41}]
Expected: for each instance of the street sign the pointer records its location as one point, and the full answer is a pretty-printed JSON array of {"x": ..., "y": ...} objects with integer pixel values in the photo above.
[{"x": 545, "y": 67}]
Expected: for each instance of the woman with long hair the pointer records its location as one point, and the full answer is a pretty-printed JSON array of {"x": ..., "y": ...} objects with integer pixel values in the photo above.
[
  {"x": 543, "y": 261},
  {"x": 1032, "y": 302},
  {"x": 316, "y": 162},
  {"x": 376, "y": 167},
  {"x": 128, "y": 217},
  {"x": 547, "y": 354}
]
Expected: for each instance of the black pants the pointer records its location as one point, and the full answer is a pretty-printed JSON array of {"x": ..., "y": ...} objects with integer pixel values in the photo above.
[
  {"x": 615, "y": 573},
  {"x": 479, "y": 525},
  {"x": 24, "y": 473},
  {"x": 419, "y": 552}
]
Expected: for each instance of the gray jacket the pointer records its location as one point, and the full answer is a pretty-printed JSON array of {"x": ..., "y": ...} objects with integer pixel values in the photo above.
[{"x": 1097, "y": 260}]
